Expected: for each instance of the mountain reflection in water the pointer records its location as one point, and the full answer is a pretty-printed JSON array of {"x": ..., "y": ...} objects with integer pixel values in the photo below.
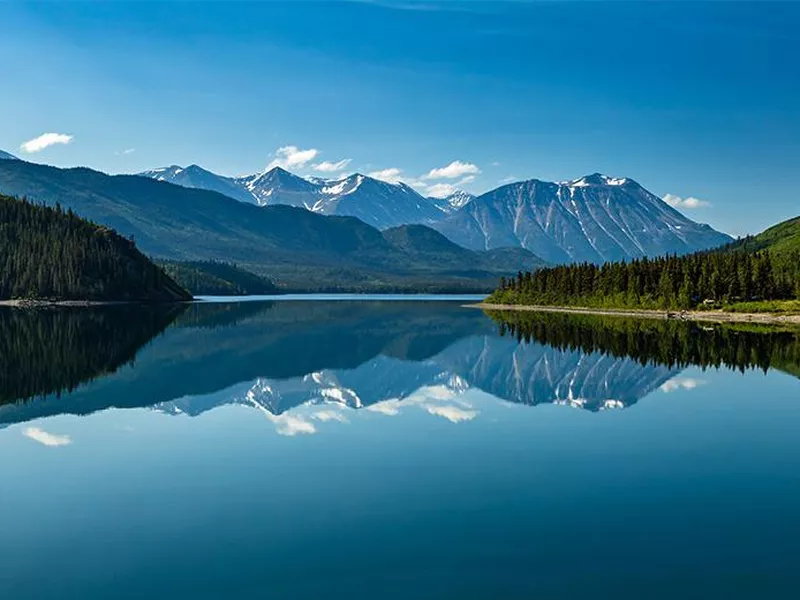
[{"x": 278, "y": 356}]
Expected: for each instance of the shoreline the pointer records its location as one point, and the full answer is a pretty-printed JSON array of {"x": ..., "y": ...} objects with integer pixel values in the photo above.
[
  {"x": 715, "y": 316},
  {"x": 77, "y": 303},
  {"x": 45, "y": 303}
]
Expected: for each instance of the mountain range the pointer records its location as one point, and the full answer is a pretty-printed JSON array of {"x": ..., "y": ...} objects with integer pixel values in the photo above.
[
  {"x": 375, "y": 202},
  {"x": 342, "y": 234},
  {"x": 299, "y": 249},
  {"x": 595, "y": 218}
]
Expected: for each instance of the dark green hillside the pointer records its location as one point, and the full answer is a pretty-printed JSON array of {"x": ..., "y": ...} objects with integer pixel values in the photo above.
[
  {"x": 780, "y": 239},
  {"x": 297, "y": 249},
  {"x": 212, "y": 278},
  {"x": 713, "y": 278},
  {"x": 49, "y": 253}
]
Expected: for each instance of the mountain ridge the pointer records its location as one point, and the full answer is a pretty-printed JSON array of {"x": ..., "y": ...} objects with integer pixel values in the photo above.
[
  {"x": 594, "y": 218},
  {"x": 377, "y": 203},
  {"x": 299, "y": 249}
]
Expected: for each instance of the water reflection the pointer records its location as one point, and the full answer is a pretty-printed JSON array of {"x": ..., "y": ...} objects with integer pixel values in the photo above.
[
  {"x": 54, "y": 350},
  {"x": 304, "y": 363}
]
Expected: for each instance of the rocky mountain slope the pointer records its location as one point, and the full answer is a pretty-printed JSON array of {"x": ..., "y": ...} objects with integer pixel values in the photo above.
[{"x": 595, "y": 218}]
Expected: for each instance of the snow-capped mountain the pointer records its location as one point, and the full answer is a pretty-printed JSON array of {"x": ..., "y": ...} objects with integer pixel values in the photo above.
[
  {"x": 197, "y": 177},
  {"x": 595, "y": 218},
  {"x": 378, "y": 203},
  {"x": 7, "y": 156},
  {"x": 278, "y": 186},
  {"x": 455, "y": 201}
]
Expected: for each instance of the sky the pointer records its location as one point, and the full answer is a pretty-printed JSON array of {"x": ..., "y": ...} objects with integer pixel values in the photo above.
[{"x": 698, "y": 102}]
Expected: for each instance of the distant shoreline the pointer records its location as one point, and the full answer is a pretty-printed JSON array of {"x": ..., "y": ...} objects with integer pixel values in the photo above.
[
  {"x": 691, "y": 315},
  {"x": 78, "y": 303},
  {"x": 40, "y": 303}
]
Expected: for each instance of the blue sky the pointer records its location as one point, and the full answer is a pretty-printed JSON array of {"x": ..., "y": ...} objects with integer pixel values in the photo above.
[{"x": 692, "y": 100}]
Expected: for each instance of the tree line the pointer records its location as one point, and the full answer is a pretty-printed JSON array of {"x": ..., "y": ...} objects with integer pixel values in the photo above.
[
  {"x": 217, "y": 278},
  {"x": 671, "y": 282},
  {"x": 672, "y": 343},
  {"x": 52, "y": 254}
]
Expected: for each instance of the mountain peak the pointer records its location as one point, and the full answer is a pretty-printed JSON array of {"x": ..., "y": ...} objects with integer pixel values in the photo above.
[
  {"x": 597, "y": 179},
  {"x": 452, "y": 202},
  {"x": 7, "y": 156}
]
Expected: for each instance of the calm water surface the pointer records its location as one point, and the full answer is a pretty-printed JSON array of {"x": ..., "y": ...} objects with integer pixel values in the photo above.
[{"x": 379, "y": 449}]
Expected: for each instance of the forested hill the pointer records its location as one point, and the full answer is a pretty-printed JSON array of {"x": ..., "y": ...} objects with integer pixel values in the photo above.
[
  {"x": 728, "y": 276},
  {"x": 213, "y": 278},
  {"x": 49, "y": 254},
  {"x": 780, "y": 239}
]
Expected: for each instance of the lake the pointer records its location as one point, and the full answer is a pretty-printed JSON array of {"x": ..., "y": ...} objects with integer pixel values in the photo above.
[{"x": 387, "y": 449}]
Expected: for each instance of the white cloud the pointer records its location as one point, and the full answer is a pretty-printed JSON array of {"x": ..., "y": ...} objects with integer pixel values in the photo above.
[
  {"x": 48, "y": 439},
  {"x": 332, "y": 167},
  {"x": 44, "y": 141},
  {"x": 466, "y": 180},
  {"x": 453, "y": 414},
  {"x": 126, "y": 152},
  {"x": 290, "y": 425},
  {"x": 390, "y": 408},
  {"x": 453, "y": 170},
  {"x": 509, "y": 179},
  {"x": 330, "y": 415},
  {"x": 289, "y": 157},
  {"x": 441, "y": 190},
  {"x": 681, "y": 383},
  {"x": 391, "y": 175},
  {"x": 690, "y": 202}
]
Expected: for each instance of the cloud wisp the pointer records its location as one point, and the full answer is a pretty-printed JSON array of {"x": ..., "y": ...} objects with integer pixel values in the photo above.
[
  {"x": 454, "y": 414},
  {"x": 454, "y": 170},
  {"x": 681, "y": 383},
  {"x": 391, "y": 175},
  {"x": 292, "y": 157},
  {"x": 332, "y": 167},
  {"x": 45, "y": 438},
  {"x": 45, "y": 140},
  {"x": 690, "y": 202}
]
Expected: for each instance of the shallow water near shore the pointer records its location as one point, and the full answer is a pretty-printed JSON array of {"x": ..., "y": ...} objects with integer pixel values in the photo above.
[{"x": 370, "y": 448}]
